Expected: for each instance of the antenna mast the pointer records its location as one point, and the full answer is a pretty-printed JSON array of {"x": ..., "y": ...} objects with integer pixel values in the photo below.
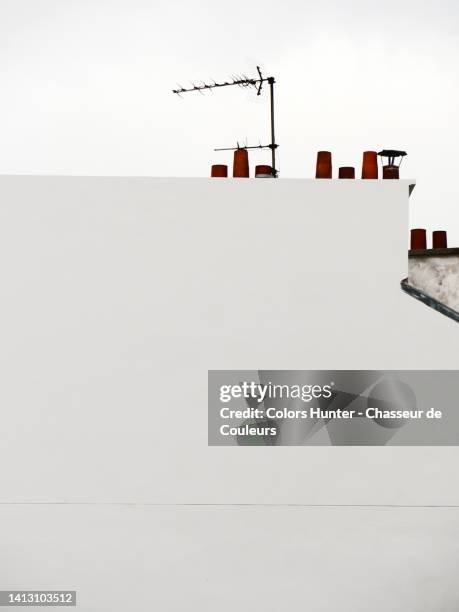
[{"x": 244, "y": 81}]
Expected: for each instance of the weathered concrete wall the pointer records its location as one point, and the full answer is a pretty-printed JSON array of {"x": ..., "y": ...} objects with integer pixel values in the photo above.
[{"x": 436, "y": 276}]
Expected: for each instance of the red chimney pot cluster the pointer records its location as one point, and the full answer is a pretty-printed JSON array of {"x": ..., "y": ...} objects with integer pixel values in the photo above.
[
  {"x": 241, "y": 167},
  {"x": 324, "y": 167},
  {"x": 419, "y": 239}
]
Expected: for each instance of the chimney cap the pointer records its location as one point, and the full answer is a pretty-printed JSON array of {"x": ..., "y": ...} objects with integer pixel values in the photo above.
[{"x": 392, "y": 153}]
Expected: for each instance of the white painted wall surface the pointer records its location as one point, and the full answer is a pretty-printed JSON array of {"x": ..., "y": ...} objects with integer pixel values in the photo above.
[
  {"x": 227, "y": 558},
  {"x": 117, "y": 296}
]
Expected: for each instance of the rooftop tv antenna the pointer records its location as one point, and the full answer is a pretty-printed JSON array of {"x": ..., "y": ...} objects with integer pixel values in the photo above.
[{"x": 243, "y": 81}]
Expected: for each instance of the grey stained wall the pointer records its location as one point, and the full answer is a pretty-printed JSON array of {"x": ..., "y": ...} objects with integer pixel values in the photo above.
[
  {"x": 437, "y": 277},
  {"x": 117, "y": 296}
]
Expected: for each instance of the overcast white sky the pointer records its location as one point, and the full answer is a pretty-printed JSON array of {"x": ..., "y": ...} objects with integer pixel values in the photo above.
[{"x": 86, "y": 87}]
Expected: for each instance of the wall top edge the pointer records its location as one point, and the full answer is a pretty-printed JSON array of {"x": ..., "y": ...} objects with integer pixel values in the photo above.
[
  {"x": 433, "y": 252},
  {"x": 207, "y": 179}
]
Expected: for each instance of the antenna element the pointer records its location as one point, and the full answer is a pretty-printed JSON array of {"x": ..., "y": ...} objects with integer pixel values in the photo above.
[{"x": 243, "y": 81}]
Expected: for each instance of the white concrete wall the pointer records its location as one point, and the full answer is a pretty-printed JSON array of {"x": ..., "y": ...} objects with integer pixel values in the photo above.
[
  {"x": 227, "y": 558},
  {"x": 117, "y": 296}
]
